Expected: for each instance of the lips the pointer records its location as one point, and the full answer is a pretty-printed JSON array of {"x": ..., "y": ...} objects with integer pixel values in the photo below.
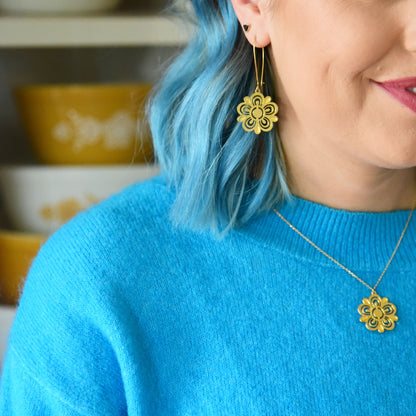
[{"x": 403, "y": 90}]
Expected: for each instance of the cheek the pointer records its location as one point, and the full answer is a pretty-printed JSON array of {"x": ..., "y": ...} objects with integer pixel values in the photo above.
[
  {"x": 325, "y": 57},
  {"x": 322, "y": 50}
]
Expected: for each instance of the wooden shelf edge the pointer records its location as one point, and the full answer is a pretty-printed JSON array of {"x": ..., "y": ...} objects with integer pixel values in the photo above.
[{"x": 117, "y": 30}]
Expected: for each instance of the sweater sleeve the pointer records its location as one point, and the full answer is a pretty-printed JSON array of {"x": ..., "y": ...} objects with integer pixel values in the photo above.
[
  {"x": 60, "y": 359},
  {"x": 22, "y": 394}
]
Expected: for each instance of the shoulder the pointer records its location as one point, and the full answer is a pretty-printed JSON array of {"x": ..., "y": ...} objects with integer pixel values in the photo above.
[
  {"x": 127, "y": 240},
  {"x": 123, "y": 250},
  {"x": 132, "y": 211},
  {"x": 84, "y": 272},
  {"x": 66, "y": 334},
  {"x": 136, "y": 217},
  {"x": 132, "y": 206}
]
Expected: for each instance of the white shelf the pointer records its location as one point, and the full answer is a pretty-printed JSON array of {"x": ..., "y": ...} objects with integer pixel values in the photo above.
[{"x": 108, "y": 30}]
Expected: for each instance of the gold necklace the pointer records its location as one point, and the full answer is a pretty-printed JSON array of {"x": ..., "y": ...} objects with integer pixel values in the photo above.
[{"x": 377, "y": 312}]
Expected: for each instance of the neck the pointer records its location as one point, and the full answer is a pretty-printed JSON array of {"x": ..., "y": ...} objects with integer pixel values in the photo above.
[{"x": 347, "y": 183}]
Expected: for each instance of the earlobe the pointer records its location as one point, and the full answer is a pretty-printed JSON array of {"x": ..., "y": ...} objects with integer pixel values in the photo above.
[{"x": 252, "y": 18}]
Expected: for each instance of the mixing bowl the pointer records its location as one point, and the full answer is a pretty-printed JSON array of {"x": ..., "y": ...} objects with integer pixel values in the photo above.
[
  {"x": 86, "y": 124},
  {"x": 39, "y": 199}
]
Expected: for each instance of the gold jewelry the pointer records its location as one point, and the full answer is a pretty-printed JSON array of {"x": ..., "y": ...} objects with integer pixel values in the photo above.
[
  {"x": 257, "y": 113},
  {"x": 377, "y": 313}
]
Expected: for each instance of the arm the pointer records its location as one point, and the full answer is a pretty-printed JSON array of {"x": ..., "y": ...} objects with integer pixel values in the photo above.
[{"x": 60, "y": 360}]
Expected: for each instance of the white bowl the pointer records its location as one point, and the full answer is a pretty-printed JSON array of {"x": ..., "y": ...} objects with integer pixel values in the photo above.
[
  {"x": 58, "y": 6},
  {"x": 39, "y": 199}
]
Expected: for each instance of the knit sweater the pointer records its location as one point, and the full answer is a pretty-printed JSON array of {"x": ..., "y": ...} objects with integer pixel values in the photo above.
[{"x": 123, "y": 314}]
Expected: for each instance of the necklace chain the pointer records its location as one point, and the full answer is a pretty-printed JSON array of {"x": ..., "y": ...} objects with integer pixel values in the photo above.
[{"x": 373, "y": 289}]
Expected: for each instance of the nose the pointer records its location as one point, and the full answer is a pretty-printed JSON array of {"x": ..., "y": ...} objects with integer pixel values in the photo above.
[{"x": 409, "y": 35}]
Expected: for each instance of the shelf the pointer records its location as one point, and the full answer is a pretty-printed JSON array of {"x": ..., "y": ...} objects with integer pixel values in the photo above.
[{"x": 107, "y": 30}]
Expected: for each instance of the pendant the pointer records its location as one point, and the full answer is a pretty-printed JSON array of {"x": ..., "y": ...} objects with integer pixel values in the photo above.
[{"x": 378, "y": 313}]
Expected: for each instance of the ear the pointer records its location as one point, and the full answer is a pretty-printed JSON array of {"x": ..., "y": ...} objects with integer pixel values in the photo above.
[{"x": 253, "y": 13}]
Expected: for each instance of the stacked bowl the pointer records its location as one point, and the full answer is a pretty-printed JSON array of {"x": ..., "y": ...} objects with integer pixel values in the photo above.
[{"x": 91, "y": 141}]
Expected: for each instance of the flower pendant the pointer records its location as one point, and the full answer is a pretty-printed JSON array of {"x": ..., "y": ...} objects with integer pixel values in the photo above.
[
  {"x": 378, "y": 313},
  {"x": 257, "y": 113}
]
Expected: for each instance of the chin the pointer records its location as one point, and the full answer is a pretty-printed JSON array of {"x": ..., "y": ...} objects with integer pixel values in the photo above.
[
  {"x": 399, "y": 153},
  {"x": 400, "y": 161}
]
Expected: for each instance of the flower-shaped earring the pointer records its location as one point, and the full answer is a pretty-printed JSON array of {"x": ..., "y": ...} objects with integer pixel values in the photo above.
[{"x": 257, "y": 113}]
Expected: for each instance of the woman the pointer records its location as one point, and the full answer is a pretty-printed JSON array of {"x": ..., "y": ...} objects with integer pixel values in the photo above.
[{"x": 270, "y": 270}]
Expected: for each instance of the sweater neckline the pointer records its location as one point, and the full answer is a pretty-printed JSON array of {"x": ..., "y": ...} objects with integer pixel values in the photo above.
[{"x": 361, "y": 241}]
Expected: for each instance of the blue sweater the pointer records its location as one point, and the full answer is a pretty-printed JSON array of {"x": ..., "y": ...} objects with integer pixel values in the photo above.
[{"x": 124, "y": 315}]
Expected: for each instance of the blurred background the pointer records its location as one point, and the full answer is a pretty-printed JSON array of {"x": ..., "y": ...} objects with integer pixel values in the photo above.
[{"x": 74, "y": 77}]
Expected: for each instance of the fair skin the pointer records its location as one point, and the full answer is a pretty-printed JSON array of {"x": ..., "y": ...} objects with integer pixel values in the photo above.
[{"x": 348, "y": 143}]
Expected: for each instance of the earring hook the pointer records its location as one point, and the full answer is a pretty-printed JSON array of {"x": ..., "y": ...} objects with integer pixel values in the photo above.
[{"x": 259, "y": 84}]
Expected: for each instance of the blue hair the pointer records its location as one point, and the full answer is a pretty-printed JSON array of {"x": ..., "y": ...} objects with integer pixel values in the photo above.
[{"x": 204, "y": 152}]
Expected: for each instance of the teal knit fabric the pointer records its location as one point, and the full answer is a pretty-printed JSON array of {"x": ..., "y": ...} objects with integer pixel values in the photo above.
[{"x": 122, "y": 314}]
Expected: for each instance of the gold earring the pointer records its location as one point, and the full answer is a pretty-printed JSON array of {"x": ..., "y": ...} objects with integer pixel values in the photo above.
[{"x": 258, "y": 113}]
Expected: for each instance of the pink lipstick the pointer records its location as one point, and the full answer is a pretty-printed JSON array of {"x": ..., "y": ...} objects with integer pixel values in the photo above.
[{"x": 403, "y": 90}]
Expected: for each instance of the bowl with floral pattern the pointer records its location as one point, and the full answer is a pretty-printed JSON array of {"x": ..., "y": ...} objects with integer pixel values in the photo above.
[
  {"x": 40, "y": 199},
  {"x": 86, "y": 123}
]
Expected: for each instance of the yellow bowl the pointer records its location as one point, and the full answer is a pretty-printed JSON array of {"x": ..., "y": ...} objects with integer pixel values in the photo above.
[
  {"x": 17, "y": 251},
  {"x": 86, "y": 124}
]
